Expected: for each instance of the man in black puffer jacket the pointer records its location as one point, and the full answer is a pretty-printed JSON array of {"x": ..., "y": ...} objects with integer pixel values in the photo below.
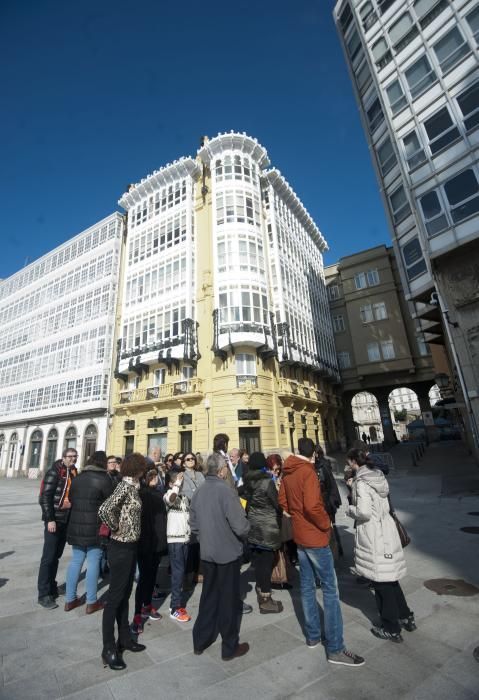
[
  {"x": 88, "y": 491},
  {"x": 55, "y": 504}
]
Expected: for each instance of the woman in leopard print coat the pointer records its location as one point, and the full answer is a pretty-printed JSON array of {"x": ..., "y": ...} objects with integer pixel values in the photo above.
[{"x": 121, "y": 512}]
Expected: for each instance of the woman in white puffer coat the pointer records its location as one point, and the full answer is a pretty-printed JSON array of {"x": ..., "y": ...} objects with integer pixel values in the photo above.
[{"x": 378, "y": 552}]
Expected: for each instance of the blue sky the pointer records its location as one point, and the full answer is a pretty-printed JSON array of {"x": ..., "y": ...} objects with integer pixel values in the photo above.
[{"x": 96, "y": 95}]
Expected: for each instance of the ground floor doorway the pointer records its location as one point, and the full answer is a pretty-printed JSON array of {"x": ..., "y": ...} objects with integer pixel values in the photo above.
[{"x": 250, "y": 440}]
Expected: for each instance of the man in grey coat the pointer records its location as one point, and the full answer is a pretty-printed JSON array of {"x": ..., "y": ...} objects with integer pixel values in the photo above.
[{"x": 220, "y": 523}]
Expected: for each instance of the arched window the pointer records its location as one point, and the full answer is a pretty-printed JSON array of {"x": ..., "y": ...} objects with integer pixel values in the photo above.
[
  {"x": 12, "y": 450},
  {"x": 2, "y": 448},
  {"x": 71, "y": 438},
  {"x": 35, "y": 449},
  {"x": 91, "y": 434},
  {"x": 52, "y": 444}
]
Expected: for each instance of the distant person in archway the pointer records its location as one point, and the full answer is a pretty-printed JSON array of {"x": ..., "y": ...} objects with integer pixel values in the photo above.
[{"x": 364, "y": 437}]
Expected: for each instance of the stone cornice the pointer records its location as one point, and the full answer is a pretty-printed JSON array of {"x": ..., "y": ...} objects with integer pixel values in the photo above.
[
  {"x": 171, "y": 172},
  {"x": 234, "y": 141},
  {"x": 291, "y": 199}
]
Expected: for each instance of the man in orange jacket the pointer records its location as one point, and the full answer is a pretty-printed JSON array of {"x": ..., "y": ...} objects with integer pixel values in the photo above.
[{"x": 300, "y": 497}]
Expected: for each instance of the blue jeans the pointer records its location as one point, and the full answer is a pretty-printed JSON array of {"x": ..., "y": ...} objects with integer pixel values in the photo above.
[
  {"x": 317, "y": 562},
  {"x": 93, "y": 557},
  {"x": 178, "y": 552}
]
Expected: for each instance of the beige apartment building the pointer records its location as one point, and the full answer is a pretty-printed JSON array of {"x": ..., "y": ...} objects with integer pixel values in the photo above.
[{"x": 380, "y": 347}]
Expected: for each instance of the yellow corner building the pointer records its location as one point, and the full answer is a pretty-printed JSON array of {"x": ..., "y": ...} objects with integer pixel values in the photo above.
[{"x": 223, "y": 322}]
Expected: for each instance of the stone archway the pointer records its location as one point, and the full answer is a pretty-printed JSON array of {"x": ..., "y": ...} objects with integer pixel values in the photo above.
[
  {"x": 404, "y": 408},
  {"x": 366, "y": 417}
]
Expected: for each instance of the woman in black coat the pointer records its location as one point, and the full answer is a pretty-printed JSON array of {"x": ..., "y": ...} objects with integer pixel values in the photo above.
[
  {"x": 151, "y": 545},
  {"x": 264, "y": 536},
  {"x": 87, "y": 493}
]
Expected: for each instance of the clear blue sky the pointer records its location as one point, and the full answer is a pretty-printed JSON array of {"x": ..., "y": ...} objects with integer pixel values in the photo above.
[{"x": 98, "y": 93}]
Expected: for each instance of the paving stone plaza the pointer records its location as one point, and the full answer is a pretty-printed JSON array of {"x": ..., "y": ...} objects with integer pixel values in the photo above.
[{"x": 53, "y": 654}]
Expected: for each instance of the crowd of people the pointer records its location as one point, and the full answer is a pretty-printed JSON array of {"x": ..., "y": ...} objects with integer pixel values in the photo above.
[{"x": 122, "y": 516}]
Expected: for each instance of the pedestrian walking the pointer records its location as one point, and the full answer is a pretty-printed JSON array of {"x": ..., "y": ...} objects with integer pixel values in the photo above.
[
  {"x": 55, "y": 504},
  {"x": 378, "y": 552},
  {"x": 121, "y": 512},
  {"x": 219, "y": 521},
  {"x": 300, "y": 496},
  {"x": 88, "y": 491},
  {"x": 264, "y": 515}
]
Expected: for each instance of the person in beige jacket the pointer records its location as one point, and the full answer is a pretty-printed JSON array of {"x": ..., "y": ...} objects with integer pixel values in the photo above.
[{"x": 378, "y": 552}]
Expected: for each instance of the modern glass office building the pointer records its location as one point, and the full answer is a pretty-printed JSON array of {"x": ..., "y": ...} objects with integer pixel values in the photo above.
[
  {"x": 415, "y": 71},
  {"x": 57, "y": 316}
]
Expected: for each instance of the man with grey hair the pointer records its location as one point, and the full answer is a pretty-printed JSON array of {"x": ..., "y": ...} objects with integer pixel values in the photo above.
[{"x": 219, "y": 521}]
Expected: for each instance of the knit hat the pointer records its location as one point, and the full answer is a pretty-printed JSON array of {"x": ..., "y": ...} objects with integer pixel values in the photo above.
[{"x": 257, "y": 461}]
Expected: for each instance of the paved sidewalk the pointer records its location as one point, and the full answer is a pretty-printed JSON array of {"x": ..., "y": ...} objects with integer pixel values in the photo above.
[{"x": 53, "y": 654}]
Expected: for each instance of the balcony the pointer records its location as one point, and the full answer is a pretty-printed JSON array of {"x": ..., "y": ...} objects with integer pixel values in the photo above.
[
  {"x": 163, "y": 392},
  {"x": 242, "y": 379},
  {"x": 289, "y": 388}
]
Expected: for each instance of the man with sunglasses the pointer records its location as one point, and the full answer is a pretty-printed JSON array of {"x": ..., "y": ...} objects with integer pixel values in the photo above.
[{"x": 55, "y": 505}]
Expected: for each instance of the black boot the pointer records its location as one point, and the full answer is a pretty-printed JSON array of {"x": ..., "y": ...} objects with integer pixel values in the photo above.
[
  {"x": 112, "y": 659},
  {"x": 129, "y": 644}
]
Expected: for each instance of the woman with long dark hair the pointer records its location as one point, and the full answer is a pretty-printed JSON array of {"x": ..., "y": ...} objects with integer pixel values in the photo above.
[
  {"x": 87, "y": 493},
  {"x": 121, "y": 512},
  {"x": 264, "y": 536},
  {"x": 151, "y": 545}
]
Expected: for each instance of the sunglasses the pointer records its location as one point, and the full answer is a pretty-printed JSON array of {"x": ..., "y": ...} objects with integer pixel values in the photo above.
[{"x": 189, "y": 459}]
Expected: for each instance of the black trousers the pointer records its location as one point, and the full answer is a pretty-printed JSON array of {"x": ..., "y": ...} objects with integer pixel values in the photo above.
[
  {"x": 193, "y": 561},
  {"x": 219, "y": 610},
  {"x": 53, "y": 546},
  {"x": 122, "y": 561},
  {"x": 391, "y": 604},
  {"x": 263, "y": 561},
  {"x": 148, "y": 566}
]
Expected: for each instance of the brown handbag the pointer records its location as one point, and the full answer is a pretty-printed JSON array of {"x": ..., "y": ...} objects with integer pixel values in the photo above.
[
  {"x": 283, "y": 569},
  {"x": 402, "y": 532}
]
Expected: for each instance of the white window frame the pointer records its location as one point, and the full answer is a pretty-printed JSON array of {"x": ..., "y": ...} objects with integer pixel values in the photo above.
[
  {"x": 400, "y": 102},
  {"x": 333, "y": 291},
  {"x": 372, "y": 277},
  {"x": 366, "y": 313},
  {"x": 245, "y": 364},
  {"x": 440, "y": 221},
  {"x": 473, "y": 115},
  {"x": 387, "y": 349},
  {"x": 420, "y": 86},
  {"x": 344, "y": 359},
  {"x": 436, "y": 142},
  {"x": 159, "y": 376},
  {"x": 453, "y": 58},
  {"x": 338, "y": 323},
  {"x": 418, "y": 156},
  {"x": 401, "y": 211},
  {"x": 390, "y": 162},
  {"x": 380, "y": 311},
  {"x": 360, "y": 280},
  {"x": 374, "y": 354},
  {"x": 455, "y": 207},
  {"x": 475, "y": 15}
]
